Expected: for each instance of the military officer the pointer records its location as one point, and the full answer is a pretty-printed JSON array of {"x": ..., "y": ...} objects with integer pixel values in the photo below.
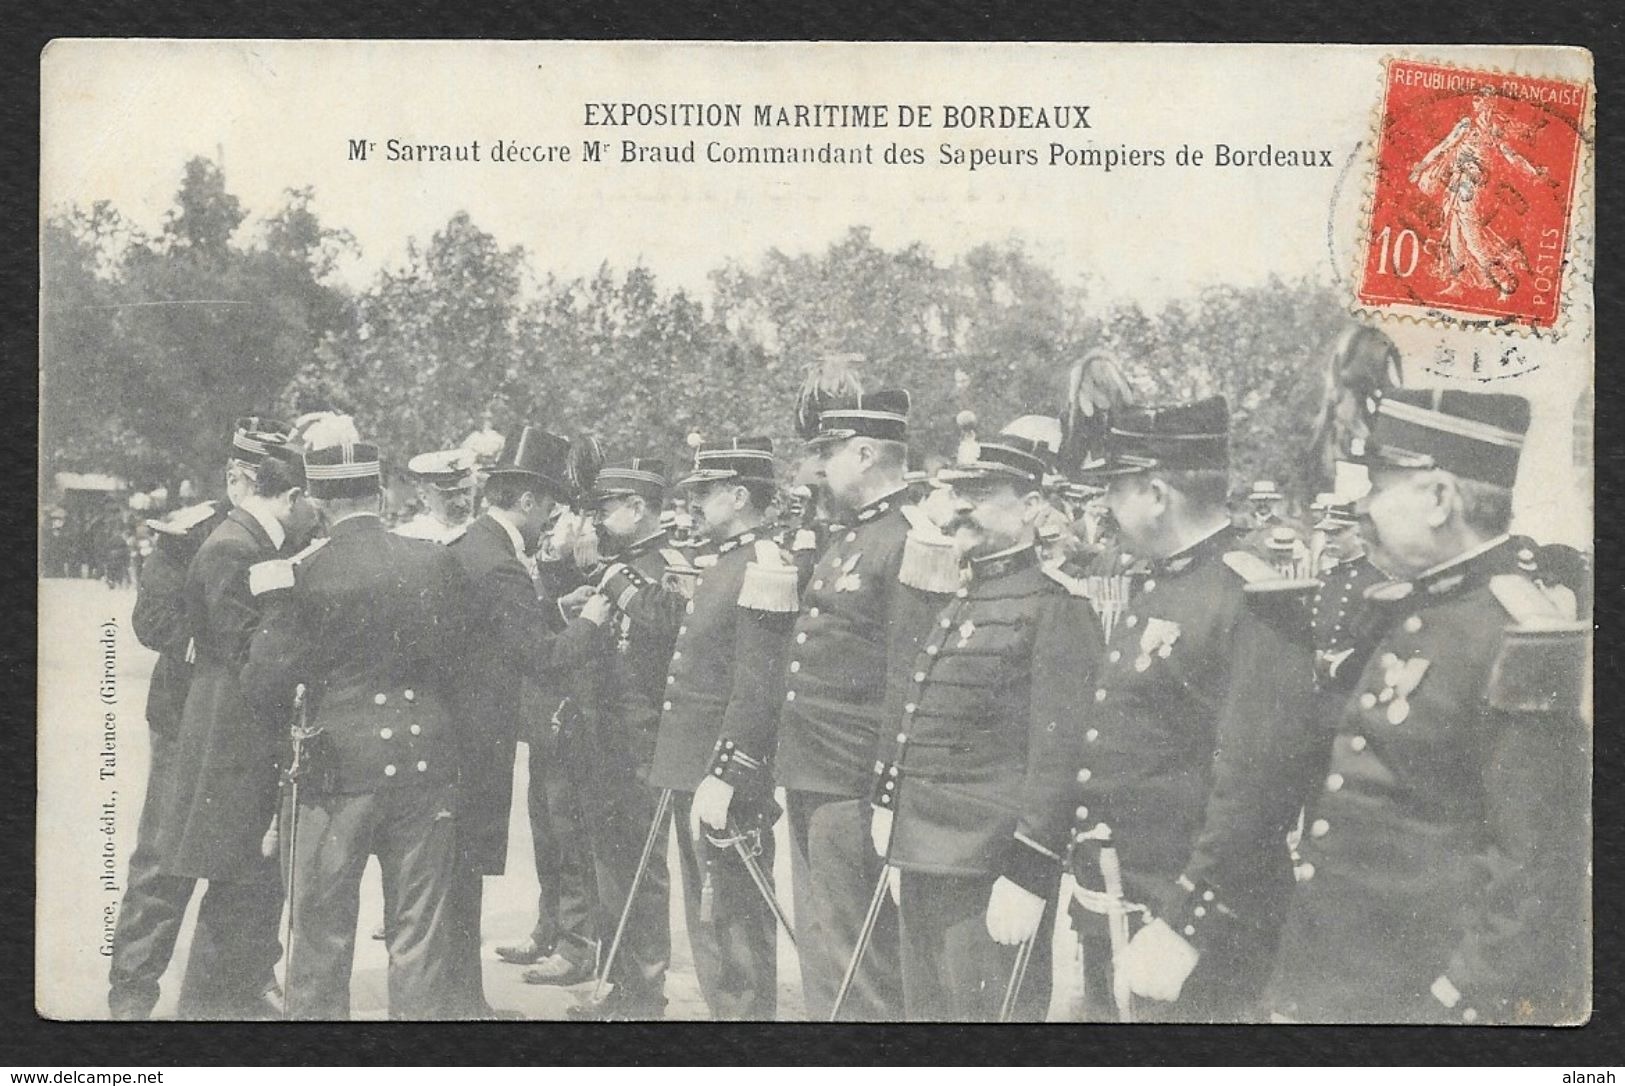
[
  {"x": 446, "y": 484},
  {"x": 1196, "y": 754},
  {"x": 718, "y": 722},
  {"x": 616, "y": 655},
  {"x": 973, "y": 795},
  {"x": 149, "y": 916},
  {"x": 512, "y": 640},
  {"x": 1340, "y": 616},
  {"x": 869, "y": 602},
  {"x": 225, "y": 791},
  {"x": 374, "y": 627},
  {"x": 1444, "y": 875}
]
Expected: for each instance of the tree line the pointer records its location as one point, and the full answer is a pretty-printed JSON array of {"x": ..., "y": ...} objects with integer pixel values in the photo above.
[{"x": 153, "y": 343}]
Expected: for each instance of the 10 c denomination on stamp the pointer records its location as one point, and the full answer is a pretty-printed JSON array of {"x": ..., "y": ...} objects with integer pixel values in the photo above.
[{"x": 1476, "y": 173}]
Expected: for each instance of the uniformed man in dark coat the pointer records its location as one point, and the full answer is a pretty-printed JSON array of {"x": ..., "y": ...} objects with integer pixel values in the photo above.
[
  {"x": 149, "y": 917},
  {"x": 374, "y": 627},
  {"x": 511, "y": 638},
  {"x": 614, "y": 658},
  {"x": 719, "y": 721},
  {"x": 1196, "y": 755},
  {"x": 870, "y": 600},
  {"x": 974, "y": 793},
  {"x": 225, "y": 793},
  {"x": 1444, "y": 874}
]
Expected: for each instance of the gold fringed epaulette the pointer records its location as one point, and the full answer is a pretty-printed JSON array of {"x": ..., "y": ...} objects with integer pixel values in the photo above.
[
  {"x": 770, "y": 581},
  {"x": 930, "y": 561},
  {"x": 184, "y": 520},
  {"x": 1542, "y": 663}
]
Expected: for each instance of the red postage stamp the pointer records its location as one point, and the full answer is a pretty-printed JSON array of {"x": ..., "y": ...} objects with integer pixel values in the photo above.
[{"x": 1476, "y": 174}]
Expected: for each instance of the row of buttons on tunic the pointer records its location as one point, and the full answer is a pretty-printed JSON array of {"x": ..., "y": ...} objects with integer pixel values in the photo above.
[{"x": 389, "y": 733}]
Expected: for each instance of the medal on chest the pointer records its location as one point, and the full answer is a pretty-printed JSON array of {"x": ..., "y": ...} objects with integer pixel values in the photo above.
[
  {"x": 1400, "y": 680},
  {"x": 1157, "y": 639},
  {"x": 848, "y": 579}
]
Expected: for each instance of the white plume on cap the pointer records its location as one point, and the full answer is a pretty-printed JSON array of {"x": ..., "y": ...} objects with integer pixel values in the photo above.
[{"x": 324, "y": 430}]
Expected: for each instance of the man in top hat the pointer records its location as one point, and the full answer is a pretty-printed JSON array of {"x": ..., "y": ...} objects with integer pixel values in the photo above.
[
  {"x": 718, "y": 721},
  {"x": 1195, "y": 754},
  {"x": 870, "y": 599},
  {"x": 225, "y": 791},
  {"x": 1444, "y": 875},
  {"x": 512, "y": 639},
  {"x": 374, "y": 627},
  {"x": 615, "y": 656},
  {"x": 446, "y": 483},
  {"x": 972, "y": 795},
  {"x": 149, "y": 917}
]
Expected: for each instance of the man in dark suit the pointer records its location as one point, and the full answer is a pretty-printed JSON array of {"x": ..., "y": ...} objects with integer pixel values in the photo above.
[
  {"x": 512, "y": 637},
  {"x": 225, "y": 793},
  {"x": 149, "y": 916},
  {"x": 373, "y": 625}
]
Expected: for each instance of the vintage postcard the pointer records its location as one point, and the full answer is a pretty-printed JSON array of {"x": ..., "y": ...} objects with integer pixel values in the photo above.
[{"x": 611, "y": 531}]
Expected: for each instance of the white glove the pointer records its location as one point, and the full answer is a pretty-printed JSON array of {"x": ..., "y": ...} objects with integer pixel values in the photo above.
[
  {"x": 880, "y": 820},
  {"x": 572, "y": 601},
  {"x": 1158, "y": 962},
  {"x": 710, "y": 807},
  {"x": 596, "y": 610},
  {"x": 1013, "y": 913}
]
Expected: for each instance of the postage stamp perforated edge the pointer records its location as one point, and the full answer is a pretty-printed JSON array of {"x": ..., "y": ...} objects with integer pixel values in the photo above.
[{"x": 1579, "y": 240}]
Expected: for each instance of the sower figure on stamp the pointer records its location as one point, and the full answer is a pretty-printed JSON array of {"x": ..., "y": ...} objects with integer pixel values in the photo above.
[
  {"x": 718, "y": 723},
  {"x": 225, "y": 793},
  {"x": 374, "y": 627},
  {"x": 615, "y": 656},
  {"x": 1196, "y": 753},
  {"x": 972, "y": 797},
  {"x": 870, "y": 600},
  {"x": 512, "y": 638},
  {"x": 150, "y": 913},
  {"x": 1444, "y": 874}
]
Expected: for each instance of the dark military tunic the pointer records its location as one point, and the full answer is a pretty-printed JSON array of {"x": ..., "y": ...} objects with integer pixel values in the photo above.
[
  {"x": 1196, "y": 756},
  {"x": 989, "y": 732},
  {"x": 1449, "y": 836},
  {"x": 1341, "y": 622},
  {"x": 726, "y": 683},
  {"x": 616, "y": 678},
  {"x": 149, "y": 916},
  {"x": 375, "y": 625}
]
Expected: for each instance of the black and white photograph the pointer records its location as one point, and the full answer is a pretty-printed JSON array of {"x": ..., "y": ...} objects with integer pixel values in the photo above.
[{"x": 815, "y": 532}]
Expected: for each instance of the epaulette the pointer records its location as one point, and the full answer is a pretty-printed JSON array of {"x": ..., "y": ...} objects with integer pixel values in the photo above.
[
  {"x": 274, "y": 574},
  {"x": 680, "y": 573},
  {"x": 1541, "y": 664},
  {"x": 1074, "y": 585},
  {"x": 930, "y": 561},
  {"x": 182, "y": 521},
  {"x": 770, "y": 581}
]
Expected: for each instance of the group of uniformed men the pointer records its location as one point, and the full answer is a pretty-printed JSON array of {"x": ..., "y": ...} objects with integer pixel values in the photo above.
[{"x": 1356, "y": 792}]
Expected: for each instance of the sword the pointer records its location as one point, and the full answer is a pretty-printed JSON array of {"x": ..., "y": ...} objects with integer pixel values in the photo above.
[
  {"x": 299, "y": 731},
  {"x": 662, "y": 808},
  {"x": 1116, "y": 910},
  {"x": 864, "y": 934},
  {"x": 1018, "y": 973},
  {"x": 747, "y": 856}
]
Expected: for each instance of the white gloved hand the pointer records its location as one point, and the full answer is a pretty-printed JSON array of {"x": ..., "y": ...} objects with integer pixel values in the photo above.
[
  {"x": 1158, "y": 962},
  {"x": 710, "y": 807},
  {"x": 1013, "y": 913},
  {"x": 596, "y": 610}
]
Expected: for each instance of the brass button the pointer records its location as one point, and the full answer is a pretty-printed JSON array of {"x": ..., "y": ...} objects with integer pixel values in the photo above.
[
  {"x": 409, "y": 695},
  {"x": 670, "y": 679},
  {"x": 909, "y": 708},
  {"x": 665, "y": 705},
  {"x": 379, "y": 699},
  {"x": 682, "y": 630},
  {"x": 1114, "y": 655},
  {"x": 676, "y": 656},
  {"x": 1306, "y": 872},
  {"x": 919, "y": 676},
  {"x": 416, "y": 730},
  {"x": 1150, "y": 584},
  {"x": 1413, "y": 624},
  {"x": 1334, "y": 782},
  {"x": 801, "y": 638},
  {"x": 1100, "y": 695},
  {"x": 850, "y": 536},
  {"x": 1092, "y": 734},
  {"x": 795, "y": 666},
  {"x": 1319, "y": 828},
  {"x": 1368, "y": 700},
  {"x": 931, "y": 650},
  {"x": 389, "y": 771},
  {"x": 386, "y": 733},
  {"x": 688, "y": 608},
  {"x": 817, "y": 585},
  {"x": 1084, "y": 775},
  {"x": 789, "y": 695},
  {"x": 422, "y": 766},
  {"x": 812, "y": 612},
  {"x": 1132, "y": 621},
  {"x": 1357, "y": 744}
]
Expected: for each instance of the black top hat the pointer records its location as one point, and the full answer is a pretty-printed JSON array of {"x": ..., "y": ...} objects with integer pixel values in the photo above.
[
  {"x": 350, "y": 470},
  {"x": 1024, "y": 460},
  {"x": 882, "y": 414},
  {"x": 744, "y": 459},
  {"x": 251, "y": 434},
  {"x": 538, "y": 455},
  {"x": 640, "y": 475},
  {"x": 1177, "y": 437},
  {"x": 1476, "y": 435}
]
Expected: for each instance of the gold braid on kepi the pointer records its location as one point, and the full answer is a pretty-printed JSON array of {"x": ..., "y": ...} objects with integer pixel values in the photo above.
[{"x": 830, "y": 380}]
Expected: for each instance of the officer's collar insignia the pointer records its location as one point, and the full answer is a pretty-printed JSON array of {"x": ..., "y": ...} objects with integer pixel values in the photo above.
[
  {"x": 736, "y": 542},
  {"x": 1389, "y": 591},
  {"x": 1440, "y": 585},
  {"x": 1001, "y": 565},
  {"x": 849, "y": 579},
  {"x": 1179, "y": 564},
  {"x": 877, "y": 507}
]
